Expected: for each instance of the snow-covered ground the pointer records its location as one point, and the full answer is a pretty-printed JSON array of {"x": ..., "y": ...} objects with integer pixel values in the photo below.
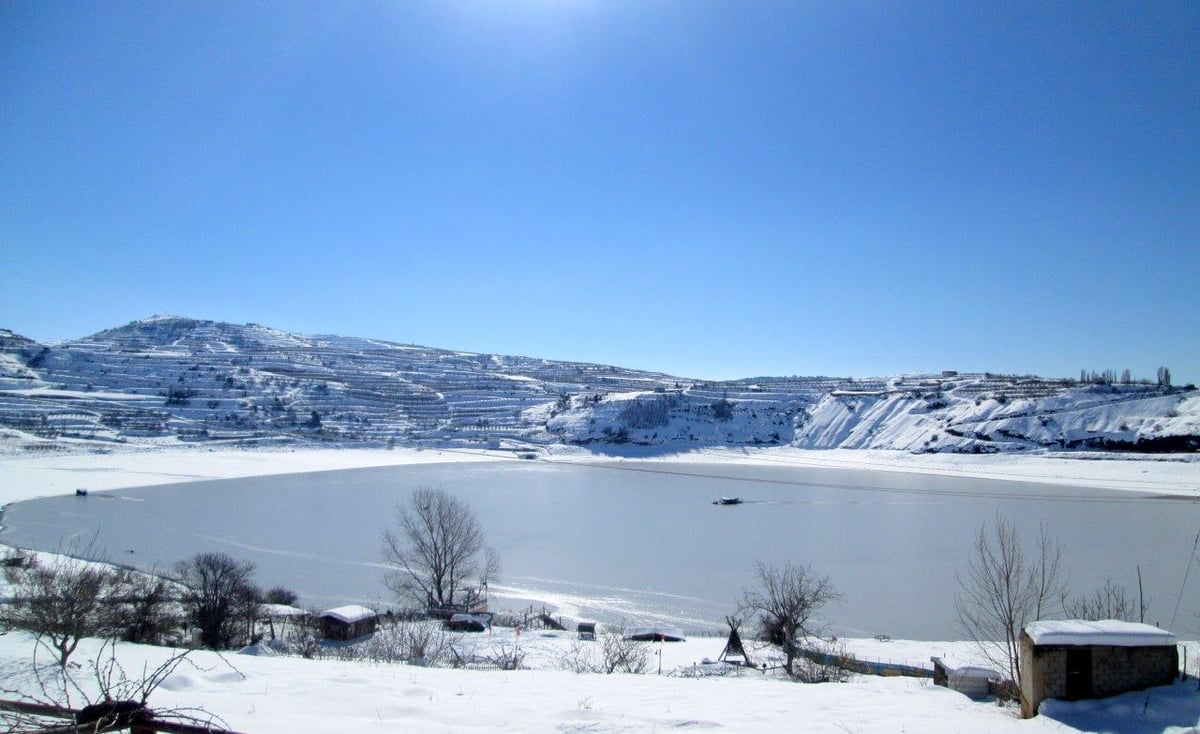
[
  {"x": 265, "y": 694},
  {"x": 1173, "y": 474},
  {"x": 26, "y": 476}
]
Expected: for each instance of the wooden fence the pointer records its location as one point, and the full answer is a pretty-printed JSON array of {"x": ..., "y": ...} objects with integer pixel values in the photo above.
[{"x": 865, "y": 667}]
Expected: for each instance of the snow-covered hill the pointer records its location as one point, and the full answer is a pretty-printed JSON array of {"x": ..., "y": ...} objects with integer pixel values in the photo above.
[
  {"x": 170, "y": 380},
  {"x": 981, "y": 414}
]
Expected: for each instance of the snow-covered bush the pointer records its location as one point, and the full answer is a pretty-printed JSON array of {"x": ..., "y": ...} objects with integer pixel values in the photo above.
[
  {"x": 622, "y": 655},
  {"x": 417, "y": 642},
  {"x": 828, "y": 665},
  {"x": 614, "y": 654}
]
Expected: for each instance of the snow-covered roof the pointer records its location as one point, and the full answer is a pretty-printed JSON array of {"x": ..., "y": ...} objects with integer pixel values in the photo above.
[
  {"x": 349, "y": 614},
  {"x": 281, "y": 610},
  {"x": 1103, "y": 632},
  {"x": 967, "y": 671},
  {"x": 656, "y": 632},
  {"x": 482, "y": 619}
]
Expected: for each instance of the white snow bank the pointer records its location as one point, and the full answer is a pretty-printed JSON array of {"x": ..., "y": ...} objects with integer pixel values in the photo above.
[
  {"x": 1104, "y": 632},
  {"x": 25, "y": 477},
  {"x": 267, "y": 694},
  {"x": 1173, "y": 709},
  {"x": 1161, "y": 474}
]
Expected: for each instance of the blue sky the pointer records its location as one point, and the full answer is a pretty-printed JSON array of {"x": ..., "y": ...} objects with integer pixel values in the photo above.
[{"x": 709, "y": 189}]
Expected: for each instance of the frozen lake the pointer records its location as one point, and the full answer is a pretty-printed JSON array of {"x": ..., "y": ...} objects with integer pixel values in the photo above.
[{"x": 641, "y": 540}]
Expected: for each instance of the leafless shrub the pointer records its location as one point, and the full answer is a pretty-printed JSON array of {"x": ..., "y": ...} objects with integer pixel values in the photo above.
[
  {"x": 61, "y": 601},
  {"x": 506, "y": 657},
  {"x": 304, "y": 638},
  {"x": 280, "y": 595},
  {"x": 612, "y": 653},
  {"x": 580, "y": 657},
  {"x": 146, "y": 610},
  {"x": 831, "y": 664},
  {"x": 419, "y": 643},
  {"x": 622, "y": 655},
  {"x": 1111, "y": 601}
]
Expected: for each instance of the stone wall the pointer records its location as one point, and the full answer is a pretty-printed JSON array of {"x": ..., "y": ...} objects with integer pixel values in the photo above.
[
  {"x": 1114, "y": 670},
  {"x": 1119, "y": 669}
]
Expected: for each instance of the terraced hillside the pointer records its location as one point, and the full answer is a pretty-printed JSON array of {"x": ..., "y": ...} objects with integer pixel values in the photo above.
[
  {"x": 193, "y": 380},
  {"x": 170, "y": 379}
]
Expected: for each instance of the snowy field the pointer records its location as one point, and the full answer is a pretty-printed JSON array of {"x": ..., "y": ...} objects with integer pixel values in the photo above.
[
  {"x": 266, "y": 694},
  {"x": 25, "y": 476}
]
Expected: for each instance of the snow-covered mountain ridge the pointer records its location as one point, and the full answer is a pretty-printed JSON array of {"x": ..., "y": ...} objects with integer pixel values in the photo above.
[{"x": 171, "y": 379}]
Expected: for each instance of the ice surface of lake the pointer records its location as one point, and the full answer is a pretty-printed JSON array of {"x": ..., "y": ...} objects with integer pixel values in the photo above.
[{"x": 641, "y": 540}]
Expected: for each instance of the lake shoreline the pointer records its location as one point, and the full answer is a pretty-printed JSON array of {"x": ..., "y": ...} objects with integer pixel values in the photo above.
[{"x": 31, "y": 476}]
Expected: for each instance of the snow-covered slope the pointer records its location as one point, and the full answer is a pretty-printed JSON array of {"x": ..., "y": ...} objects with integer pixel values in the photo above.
[
  {"x": 170, "y": 379},
  {"x": 981, "y": 414}
]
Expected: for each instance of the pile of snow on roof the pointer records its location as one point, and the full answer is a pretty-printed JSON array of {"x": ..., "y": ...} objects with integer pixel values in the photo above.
[
  {"x": 349, "y": 614},
  {"x": 1103, "y": 632}
]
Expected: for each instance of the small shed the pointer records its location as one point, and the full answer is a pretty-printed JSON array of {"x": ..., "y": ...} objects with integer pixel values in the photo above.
[
  {"x": 474, "y": 622},
  {"x": 587, "y": 630},
  {"x": 348, "y": 622},
  {"x": 971, "y": 681},
  {"x": 1075, "y": 660}
]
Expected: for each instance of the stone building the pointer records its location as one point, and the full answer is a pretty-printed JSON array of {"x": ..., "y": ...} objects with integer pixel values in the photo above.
[{"x": 1074, "y": 660}]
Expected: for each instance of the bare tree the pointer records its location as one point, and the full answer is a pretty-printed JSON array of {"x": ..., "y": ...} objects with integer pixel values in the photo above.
[
  {"x": 1111, "y": 601},
  {"x": 145, "y": 609},
  {"x": 281, "y": 595},
  {"x": 61, "y": 601},
  {"x": 1005, "y": 588},
  {"x": 785, "y": 601},
  {"x": 220, "y": 596},
  {"x": 437, "y": 551}
]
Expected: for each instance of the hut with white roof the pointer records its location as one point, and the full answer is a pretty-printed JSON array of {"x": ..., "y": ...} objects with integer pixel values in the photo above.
[
  {"x": 348, "y": 622},
  {"x": 1076, "y": 659}
]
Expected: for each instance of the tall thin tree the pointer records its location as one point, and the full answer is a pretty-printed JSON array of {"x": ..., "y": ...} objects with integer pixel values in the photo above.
[{"x": 1005, "y": 588}]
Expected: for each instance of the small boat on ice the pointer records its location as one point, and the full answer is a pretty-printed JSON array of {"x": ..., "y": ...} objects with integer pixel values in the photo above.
[{"x": 728, "y": 501}]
